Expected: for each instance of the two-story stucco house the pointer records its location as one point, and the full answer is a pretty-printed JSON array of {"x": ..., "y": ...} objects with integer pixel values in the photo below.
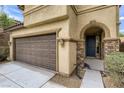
[{"x": 57, "y": 37}]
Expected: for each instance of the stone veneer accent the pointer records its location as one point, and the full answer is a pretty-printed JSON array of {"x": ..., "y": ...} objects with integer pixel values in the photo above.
[
  {"x": 111, "y": 45},
  {"x": 80, "y": 52}
]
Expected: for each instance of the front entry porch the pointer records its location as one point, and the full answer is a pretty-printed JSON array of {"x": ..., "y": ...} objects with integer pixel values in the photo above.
[{"x": 95, "y": 64}]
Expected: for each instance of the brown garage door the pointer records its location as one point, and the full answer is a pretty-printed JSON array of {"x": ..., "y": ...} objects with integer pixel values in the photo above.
[{"x": 37, "y": 50}]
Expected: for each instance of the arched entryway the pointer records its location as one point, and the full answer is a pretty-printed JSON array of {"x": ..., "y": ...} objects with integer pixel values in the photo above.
[
  {"x": 95, "y": 41},
  {"x": 93, "y": 37},
  {"x": 95, "y": 33}
]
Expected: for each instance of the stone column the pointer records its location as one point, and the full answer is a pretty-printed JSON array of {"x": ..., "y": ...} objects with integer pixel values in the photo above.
[
  {"x": 111, "y": 45},
  {"x": 80, "y": 51}
]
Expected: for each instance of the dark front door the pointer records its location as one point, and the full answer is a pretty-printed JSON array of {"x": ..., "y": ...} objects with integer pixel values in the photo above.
[{"x": 91, "y": 46}]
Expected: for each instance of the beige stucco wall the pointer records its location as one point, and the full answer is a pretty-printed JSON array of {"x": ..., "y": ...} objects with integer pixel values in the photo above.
[
  {"x": 44, "y": 14},
  {"x": 72, "y": 23},
  {"x": 72, "y": 56},
  {"x": 72, "y": 31},
  {"x": 29, "y": 7},
  {"x": 107, "y": 16}
]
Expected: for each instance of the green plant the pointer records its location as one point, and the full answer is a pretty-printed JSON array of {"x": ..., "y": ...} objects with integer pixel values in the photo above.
[
  {"x": 121, "y": 34},
  {"x": 5, "y": 21},
  {"x": 115, "y": 67}
]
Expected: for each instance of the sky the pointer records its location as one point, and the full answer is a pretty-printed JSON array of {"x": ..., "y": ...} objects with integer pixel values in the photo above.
[
  {"x": 14, "y": 12},
  {"x": 122, "y": 19}
]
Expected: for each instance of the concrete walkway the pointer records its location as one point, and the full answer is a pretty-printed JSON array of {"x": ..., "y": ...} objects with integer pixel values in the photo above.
[{"x": 92, "y": 77}]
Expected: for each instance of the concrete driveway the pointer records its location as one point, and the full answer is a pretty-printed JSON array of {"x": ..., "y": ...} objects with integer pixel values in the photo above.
[{"x": 21, "y": 75}]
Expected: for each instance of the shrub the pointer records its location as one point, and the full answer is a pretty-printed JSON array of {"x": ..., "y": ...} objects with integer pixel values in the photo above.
[{"x": 115, "y": 67}]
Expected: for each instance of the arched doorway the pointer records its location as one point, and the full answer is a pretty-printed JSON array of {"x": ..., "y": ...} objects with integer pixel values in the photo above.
[
  {"x": 94, "y": 46},
  {"x": 93, "y": 34}
]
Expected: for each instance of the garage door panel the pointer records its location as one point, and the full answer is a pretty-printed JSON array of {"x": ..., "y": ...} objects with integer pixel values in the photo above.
[
  {"x": 37, "y": 50},
  {"x": 52, "y": 47}
]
